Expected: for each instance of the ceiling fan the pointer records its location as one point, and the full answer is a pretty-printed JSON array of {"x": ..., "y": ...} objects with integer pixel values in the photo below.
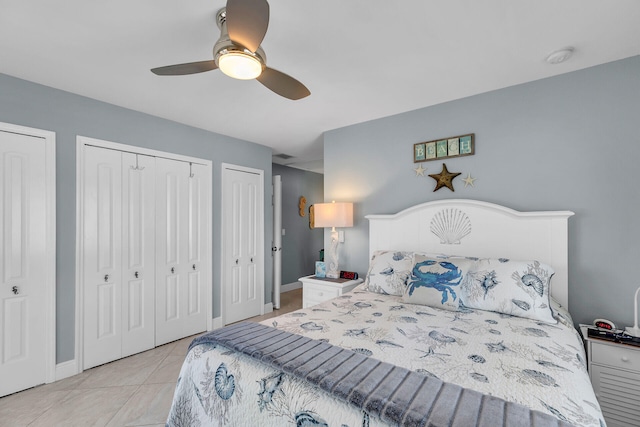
[{"x": 237, "y": 53}]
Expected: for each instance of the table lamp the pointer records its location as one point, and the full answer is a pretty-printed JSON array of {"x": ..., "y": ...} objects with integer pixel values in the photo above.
[
  {"x": 635, "y": 330},
  {"x": 333, "y": 215}
]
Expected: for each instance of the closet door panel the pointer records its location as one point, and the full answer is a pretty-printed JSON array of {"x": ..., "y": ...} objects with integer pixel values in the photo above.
[
  {"x": 138, "y": 255},
  {"x": 102, "y": 236},
  {"x": 23, "y": 253},
  {"x": 171, "y": 233},
  {"x": 242, "y": 258},
  {"x": 197, "y": 230},
  {"x": 172, "y": 292},
  {"x": 194, "y": 298},
  {"x": 235, "y": 243},
  {"x": 180, "y": 208},
  {"x": 251, "y": 241}
]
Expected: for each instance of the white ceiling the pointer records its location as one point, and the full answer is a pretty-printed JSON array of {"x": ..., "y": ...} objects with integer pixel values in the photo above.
[{"x": 361, "y": 59}]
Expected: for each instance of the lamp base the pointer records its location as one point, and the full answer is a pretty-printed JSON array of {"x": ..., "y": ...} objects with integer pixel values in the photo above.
[
  {"x": 332, "y": 268},
  {"x": 635, "y": 332}
]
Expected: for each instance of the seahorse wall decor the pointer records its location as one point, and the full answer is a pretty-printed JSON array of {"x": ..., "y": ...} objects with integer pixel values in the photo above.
[
  {"x": 312, "y": 218},
  {"x": 302, "y": 203}
]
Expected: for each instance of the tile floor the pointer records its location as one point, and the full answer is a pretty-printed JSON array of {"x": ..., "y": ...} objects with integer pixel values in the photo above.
[{"x": 134, "y": 391}]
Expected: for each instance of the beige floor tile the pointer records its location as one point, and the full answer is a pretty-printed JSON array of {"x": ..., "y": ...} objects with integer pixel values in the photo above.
[
  {"x": 132, "y": 370},
  {"x": 167, "y": 372},
  {"x": 180, "y": 348},
  {"x": 22, "y": 408},
  {"x": 85, "y": 408},
  {"x": 149, "y": 405},
  {"x": 161, "y": 351},
  {"x": 70, "y": 383}
]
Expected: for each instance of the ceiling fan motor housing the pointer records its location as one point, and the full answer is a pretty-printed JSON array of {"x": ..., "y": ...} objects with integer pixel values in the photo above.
[{"x": 224, "y": 46}]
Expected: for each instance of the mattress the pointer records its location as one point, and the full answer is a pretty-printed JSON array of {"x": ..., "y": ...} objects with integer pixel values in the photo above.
[{"x": 536, "y": 364}]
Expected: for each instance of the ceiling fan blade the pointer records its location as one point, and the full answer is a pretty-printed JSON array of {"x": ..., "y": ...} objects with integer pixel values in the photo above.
[
  {"x": 283, "y": 84},
  {"x": 188, "y": 68},
  {"x": 247, "y": 22}
]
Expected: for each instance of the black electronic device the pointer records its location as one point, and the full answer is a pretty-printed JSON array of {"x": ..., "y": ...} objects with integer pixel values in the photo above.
[
  {"x": 618, "y": 336},
  {"x": 350, "y": 275}
]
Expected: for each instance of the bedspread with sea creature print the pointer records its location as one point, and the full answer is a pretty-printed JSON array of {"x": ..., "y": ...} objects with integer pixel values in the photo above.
[{"x": 539, "y": 365}]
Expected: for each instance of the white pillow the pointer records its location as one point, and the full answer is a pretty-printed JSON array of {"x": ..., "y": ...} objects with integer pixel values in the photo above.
[
  {"x": 437, "y": 282},
  {"x": 518, "y": 288},
  {"x": 388, "y": 272}
]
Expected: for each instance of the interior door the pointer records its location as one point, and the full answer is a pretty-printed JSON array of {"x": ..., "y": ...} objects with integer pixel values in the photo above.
[
  {"x": 180, "y": 206},
  {"x": 198, "y": 257},
  {"x": 138, "y": 253},
  {"x": 22, "y": 257},
  {"x": 243, "y": 255},
  {"x": 102, "y": 245},
  {"x": 276, "y": 248}
]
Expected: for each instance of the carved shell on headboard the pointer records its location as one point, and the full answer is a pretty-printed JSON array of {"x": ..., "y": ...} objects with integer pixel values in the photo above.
[{"x": 450, "y": 225}]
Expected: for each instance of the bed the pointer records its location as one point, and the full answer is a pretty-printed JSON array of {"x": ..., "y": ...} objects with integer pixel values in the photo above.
[{"x": 438, "y": 308}]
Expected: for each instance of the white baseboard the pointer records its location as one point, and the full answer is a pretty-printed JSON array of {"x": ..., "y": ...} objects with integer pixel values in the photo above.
[
  {"x": 268, "y": 308},
  {"x": 66, "y": 369},
  {"x": 290, "y": 287}
]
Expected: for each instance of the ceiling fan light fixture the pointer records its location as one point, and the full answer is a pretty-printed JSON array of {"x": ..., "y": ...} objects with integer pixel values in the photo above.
[{"x": 239, "y": 65}]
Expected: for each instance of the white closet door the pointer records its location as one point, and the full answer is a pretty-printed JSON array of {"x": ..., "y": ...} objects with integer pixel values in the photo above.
[
  {"x": 198, "y": 257},
  {"x": 243, "y": 253},
  {"x": 22, "y": 259},
  {"x": 102, "y": 256},
  {"x": 138, "y": 253},
  {"x": 180, "y": 309}
]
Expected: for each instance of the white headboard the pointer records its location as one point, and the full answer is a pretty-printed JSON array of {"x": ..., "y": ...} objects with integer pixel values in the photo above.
[{"x": 481, "y": 229}]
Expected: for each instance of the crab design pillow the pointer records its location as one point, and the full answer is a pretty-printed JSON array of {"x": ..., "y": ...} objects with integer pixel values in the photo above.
[
  {"x": 437, "y": 282},
  {"x": 517, "y": 288}
]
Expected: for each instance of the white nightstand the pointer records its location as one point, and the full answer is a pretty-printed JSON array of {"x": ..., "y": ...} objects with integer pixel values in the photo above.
[
  {"x": 614, "y": 370},
  {"x": 316, "y": 290}
]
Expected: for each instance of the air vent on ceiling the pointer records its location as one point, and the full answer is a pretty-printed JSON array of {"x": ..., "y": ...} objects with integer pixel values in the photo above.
[{"x": 283, "y": 156}]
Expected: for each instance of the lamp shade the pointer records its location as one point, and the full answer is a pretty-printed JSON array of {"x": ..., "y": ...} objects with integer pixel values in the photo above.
[{"x": 333, "y": 215}]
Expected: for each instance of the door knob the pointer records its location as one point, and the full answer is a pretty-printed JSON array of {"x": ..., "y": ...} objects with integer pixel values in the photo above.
[
  {"x": 14, "y": 289},
  {"x": 106, "y": 277},
  {"x": 173, "y": 270},
  {"x": 194, "y": 267},
  {"x": 136, "y": 274},
  {"x": 251, "y": 259},
  {"x": 236, "y": 262}
]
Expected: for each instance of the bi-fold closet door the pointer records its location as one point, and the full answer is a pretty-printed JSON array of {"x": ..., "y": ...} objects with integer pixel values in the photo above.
[
  {"x": 143, "y": 252},
  {"x": 181, "y": 250}
]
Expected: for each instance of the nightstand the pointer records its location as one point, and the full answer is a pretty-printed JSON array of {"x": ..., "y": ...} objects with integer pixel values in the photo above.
[
  {"x": 316, "y": 290},
  {"x": 614, "y": 370}
]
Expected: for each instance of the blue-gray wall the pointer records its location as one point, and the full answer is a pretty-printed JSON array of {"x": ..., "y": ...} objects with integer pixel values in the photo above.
[
  {"x": 567, "y": 142},
  {"x": 300, "y": 244},
  {"x": 68, "y": 115}
]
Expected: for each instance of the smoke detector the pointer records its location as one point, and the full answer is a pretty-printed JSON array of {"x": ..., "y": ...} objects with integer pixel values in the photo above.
[{"x": 560, "y": 56}]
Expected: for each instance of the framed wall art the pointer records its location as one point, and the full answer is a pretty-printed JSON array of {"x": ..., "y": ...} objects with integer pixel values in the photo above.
[{"x": 445, "y": 148}]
